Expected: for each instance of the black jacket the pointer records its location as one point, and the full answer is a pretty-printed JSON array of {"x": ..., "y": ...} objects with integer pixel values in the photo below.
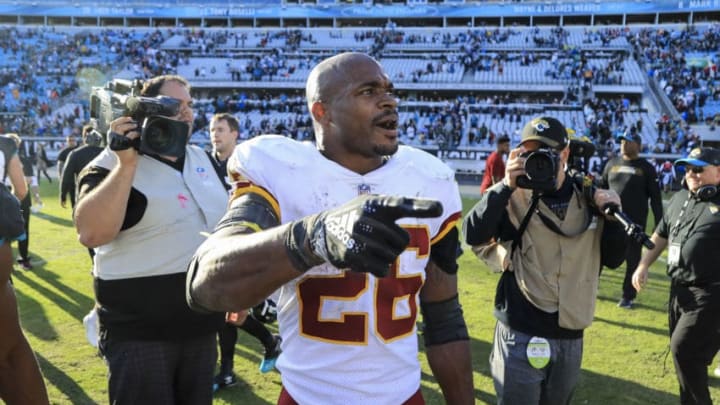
[
  {"x": 696, "y": 234},
  {"x": 76, "y": 161}
]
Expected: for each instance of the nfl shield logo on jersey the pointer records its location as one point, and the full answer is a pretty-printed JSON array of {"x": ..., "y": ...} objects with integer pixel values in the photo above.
[{"x": 363, "y": 189}]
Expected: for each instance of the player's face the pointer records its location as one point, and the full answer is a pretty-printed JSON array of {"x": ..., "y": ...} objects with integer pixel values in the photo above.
[
  {"x": 629, "y": 148},
  {"x": 364, "y": 116},
  {"x": 222, "y": 137},
  {"x": 710, "y": 175}
]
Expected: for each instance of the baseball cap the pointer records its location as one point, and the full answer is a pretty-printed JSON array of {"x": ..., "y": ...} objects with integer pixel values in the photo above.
[
  {"x": 701, "y": 157},
  {"x": 547, "y": 130},
  {"x": 631, "y": 136}
]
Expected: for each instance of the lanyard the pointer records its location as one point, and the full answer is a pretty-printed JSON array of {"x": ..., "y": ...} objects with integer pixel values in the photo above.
[{"x": 676, "y": 227}]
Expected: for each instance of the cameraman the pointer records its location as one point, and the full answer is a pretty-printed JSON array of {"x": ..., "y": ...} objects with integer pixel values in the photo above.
[
  {"x": 145, "y": 214},
  {"x": 550, "y": 267}
]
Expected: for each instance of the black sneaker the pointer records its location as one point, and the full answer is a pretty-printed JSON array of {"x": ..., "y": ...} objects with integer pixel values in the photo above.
[
  {"x": 625, "y": 303},
  {"x": 223, "y": 380},
  {"x": 271, "y": 356},
  {"x": 25, "y": 263}
]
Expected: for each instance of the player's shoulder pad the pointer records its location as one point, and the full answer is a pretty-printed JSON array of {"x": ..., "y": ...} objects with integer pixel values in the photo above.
[
  {"x": 276, "y": 148},
  {"x": 426, "y": 164}
]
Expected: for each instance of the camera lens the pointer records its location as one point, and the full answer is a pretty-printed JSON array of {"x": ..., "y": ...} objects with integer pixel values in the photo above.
[
  {"x": 540, "y": 166},
  {"x": 157, "y": 135}
]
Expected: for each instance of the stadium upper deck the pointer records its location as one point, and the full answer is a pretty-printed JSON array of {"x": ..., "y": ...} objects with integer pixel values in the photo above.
[
  {"x": 331, "y": 13},
  {"x": 436, "y": 39}
]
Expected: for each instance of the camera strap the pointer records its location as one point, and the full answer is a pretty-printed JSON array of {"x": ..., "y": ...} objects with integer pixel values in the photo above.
[
  {"x": 555, "y": 228},
  {"x": 583, "y": 192},
  {"x": 578, "y": 185},
  {"x": 517, "y": 241}
]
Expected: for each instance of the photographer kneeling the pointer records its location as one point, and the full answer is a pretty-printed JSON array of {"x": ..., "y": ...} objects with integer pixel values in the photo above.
[
  {"x": 144, "y": 211},
  {"x": 550, "y": 242}
]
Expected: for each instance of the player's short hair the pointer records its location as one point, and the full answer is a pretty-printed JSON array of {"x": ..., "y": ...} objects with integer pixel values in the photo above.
[{"x": 231, "y": 120}]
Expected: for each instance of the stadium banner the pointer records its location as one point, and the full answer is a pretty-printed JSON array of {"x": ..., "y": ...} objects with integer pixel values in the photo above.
[{"x": 454, "y": 8}]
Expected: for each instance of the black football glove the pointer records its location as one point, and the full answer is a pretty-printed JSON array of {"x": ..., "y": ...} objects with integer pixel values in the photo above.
[{"x": 360, "y": 235}]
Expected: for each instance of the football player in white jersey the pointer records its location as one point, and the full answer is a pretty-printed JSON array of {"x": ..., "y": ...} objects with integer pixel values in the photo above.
[{"x": 318, "y": 221}]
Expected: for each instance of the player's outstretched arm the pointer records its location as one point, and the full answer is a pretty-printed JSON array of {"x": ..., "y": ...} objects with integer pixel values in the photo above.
[
  {"x": 234, "y": 269},
  {"x": 447, "y": 343}
]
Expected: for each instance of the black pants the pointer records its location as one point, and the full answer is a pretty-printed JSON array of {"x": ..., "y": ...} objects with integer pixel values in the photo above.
[
  {"x": 632, "y": 259},
  {"x": 228, "y": 335},
  {"x": 160, "y": 372},
  {"x": 24, "y": 245},
  {"x": 694, "y": 320}
]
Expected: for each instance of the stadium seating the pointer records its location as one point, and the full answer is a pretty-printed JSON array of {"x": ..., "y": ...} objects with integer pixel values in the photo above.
[{"x": 543, "y": 66}]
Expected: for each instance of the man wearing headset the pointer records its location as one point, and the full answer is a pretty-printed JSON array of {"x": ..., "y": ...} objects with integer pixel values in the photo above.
[{"x": 690, "y": 229}]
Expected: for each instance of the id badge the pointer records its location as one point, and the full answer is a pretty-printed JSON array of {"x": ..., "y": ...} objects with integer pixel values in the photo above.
[
  {"x": 674, "y": 254},
  {"x": 538, "y": 352}
]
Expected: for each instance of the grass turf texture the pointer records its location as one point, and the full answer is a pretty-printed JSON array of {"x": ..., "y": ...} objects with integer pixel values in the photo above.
[{"x": 624, "y": 361}]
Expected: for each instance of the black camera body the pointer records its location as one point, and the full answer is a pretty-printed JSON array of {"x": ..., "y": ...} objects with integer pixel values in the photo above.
[
  {"x": 581, "y": 150},
  {"x": 541, "y": 168},
  {"x": 159, "y": 134}
]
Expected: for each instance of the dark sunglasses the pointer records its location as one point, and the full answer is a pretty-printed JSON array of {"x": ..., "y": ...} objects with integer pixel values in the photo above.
[{"x": 696, "y": 169}]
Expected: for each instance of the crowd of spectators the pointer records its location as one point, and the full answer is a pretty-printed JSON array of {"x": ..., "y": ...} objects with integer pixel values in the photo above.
[
  {"x": 690, "y": 84},
  {"x": 42, "y": 94},
  {"x": 44, "y": 75}
]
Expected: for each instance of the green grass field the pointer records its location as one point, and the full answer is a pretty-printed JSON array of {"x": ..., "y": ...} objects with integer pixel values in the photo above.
[{"x": 625, "y": 359}]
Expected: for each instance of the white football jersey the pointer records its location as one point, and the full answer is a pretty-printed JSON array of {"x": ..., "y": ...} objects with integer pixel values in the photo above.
[{"x": 348, "y": 338}]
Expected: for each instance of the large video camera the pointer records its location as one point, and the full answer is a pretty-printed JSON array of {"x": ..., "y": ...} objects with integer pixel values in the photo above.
[{"x": 159, "y": 134}]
